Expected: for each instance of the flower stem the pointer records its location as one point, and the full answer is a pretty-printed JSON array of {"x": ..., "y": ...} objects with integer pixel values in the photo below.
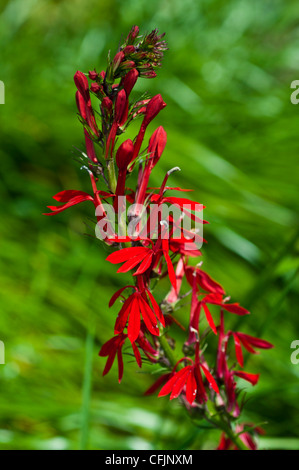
[
  {"x": 86, "y": 389},
  {"x": 111, "y": 175}
]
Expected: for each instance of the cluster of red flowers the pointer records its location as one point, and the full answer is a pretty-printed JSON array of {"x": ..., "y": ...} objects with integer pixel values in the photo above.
[{"x": 141, "y": 319}]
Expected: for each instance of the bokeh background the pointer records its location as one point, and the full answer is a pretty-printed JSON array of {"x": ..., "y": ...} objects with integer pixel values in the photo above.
[{"x": 233, "y": 132}]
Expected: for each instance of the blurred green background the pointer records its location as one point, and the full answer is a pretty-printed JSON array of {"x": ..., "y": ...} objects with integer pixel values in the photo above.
[{"x": 233, "y": 131}]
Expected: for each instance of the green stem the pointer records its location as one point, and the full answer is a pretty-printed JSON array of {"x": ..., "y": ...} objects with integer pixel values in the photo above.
[
  {"x": 86, "y": 389},
  {"x": 111, "y": 175},
  {"x": 168, "y": 352},
  {"x": 220, "y": 423}
]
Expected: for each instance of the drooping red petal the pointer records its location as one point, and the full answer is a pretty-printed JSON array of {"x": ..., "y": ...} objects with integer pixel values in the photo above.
[
  {"x": 182, "y": 376},
  {"x": 210, "y": 378},
  {"x": 134, "y": 321},
  {"x": 171, "y": 272},
  {"x": 72, "y": 202},
  {"x": 167, "y": 388},
  {"x": 125, "y": 254},
  {"x": 207, "y": 283},
  {"x": 238, "y": 349},
  {"x": 131, "y": 263},
  {"x": 235, "y": 308},
  {"x": 120, "y": 364},
  {"x": 253, "y": 341},
  {"x": 137, "y": 354},
  {"x": 161, "y": 380},
  {"x": 145, "y": 264},
  {"x": 191, "y": 388},
  {"x": 66, "y": 196},
  {"x": 209, "y": 318},
  {"x": 156, "y": 308},
  {"x": 122, "y": 317},
  {"x": 117, "y": 294},
  {"x": 252, "y": 378},
  {"x": 109, "y": 362},
  {"x": 148, "y": 317}
]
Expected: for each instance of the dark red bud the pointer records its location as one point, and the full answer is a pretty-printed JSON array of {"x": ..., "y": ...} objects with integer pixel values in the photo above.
[
  {"x": 156, "y": 145},
  {"x": 130, "y": 80},
  {"x": 119, "y": 57},
  {"x": 92, "y": 75},
  {"x": 107, "y": 104},
  {"x": 124, "y": 154},
  {"x": 120, "y": 105},
  {"x": 129, "y": 50},
  {"x": 155, "y": 105},
  {"x": 81, "y": 83},
  {"x": 95, "y": 87},
  {"x": 133, "y": 34}
]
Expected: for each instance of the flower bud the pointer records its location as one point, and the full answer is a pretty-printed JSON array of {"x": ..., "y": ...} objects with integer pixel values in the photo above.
[
  {"x": 117, "y": 60},
  {"x": 92, "y": 75},
  {"x": 129, "y": 50},
  {"x": 155, "y": 105},
  {"x": 120, "y": 106},
  {"x": 81, "y": 83},
  {"x": 133, "y": 34},
  {"x": 156, "y": 146},
  {"x": 124, "y": 154},
  {"x": 130, "y": 80}
]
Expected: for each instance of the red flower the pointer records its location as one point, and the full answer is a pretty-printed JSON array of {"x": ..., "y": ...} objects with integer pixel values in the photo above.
[
  {"x": 137, "y": 305},
  {"x": 189, "y": 380},
  {"x": 203, "y": 280},
  {"x": 249, "y": 343},
  {"x": 114, "y": 347}
]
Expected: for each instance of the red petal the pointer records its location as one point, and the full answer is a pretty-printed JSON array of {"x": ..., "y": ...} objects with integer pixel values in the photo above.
[
  {"x": 125, "y": 254},
  {"x": 235, "y": 308},
  {"x": 252, "y": 378},
  {"x": 117, "y": 294},
  {"x": 156, "y": 308},
  {"x": 145, "y": 264},
  {"x": 167, "y": 388},
  {"x": 137, "y": 354},
  {"x": 209, "y": 318},
  {"x": 207, "y": 283},
  {"x": 238, "y": 348},
  {"x": 161, "y": 380},
  {"x": 256, "y": 342},
  {"x": 171, "y": 272},
  {"x": 182, "y": 376},
  {"x": 191, "y": 388},
  {"x": 66, "y": 196},
  {"x": 148, "y": 317},
  {"x": 134, "y": 321},
  {"x": 122, "y": 317},
  {"x": 210, "y": 378},
  {"x": 120, "y": 365},
  {"x": 131, "y": 263}
]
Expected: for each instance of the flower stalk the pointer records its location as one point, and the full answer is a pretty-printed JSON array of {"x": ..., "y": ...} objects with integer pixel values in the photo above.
[{"x": 154, "y": 243}]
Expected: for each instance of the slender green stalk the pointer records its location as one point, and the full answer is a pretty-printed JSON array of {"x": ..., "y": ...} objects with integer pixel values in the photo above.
[
  {"x": 111, "y": 175},
  {"x": 86, "y": 389}
]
